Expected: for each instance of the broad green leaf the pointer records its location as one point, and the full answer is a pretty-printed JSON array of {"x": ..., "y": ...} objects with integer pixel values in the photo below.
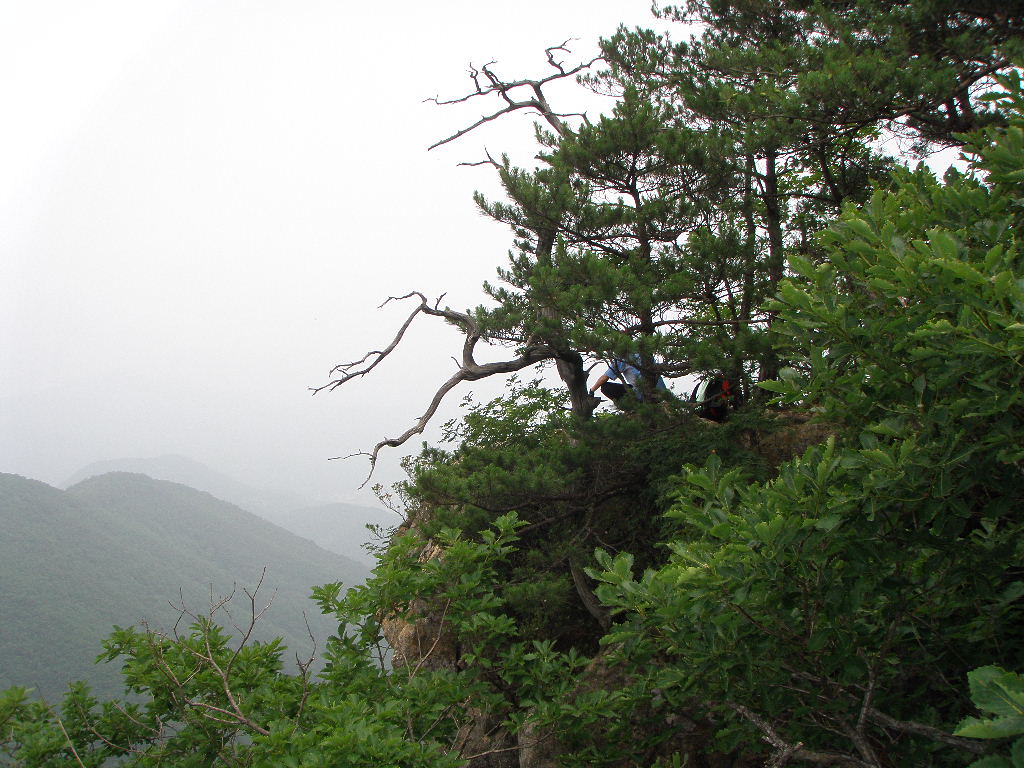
[
  {"x": 995, "y": 690},
  {"x": 962, "y": 270},
  {"x": 802, "y": 266},
  {"x": 817, "y": 641},
  {"x": 782, "y": 387},
  {"x": 861, "y": 228},
  {"x": 829, "y": 522},
  {"x": 996, "y": 728},
  {"x": 944, "y": 245},
  {"x": 880, "y": 457}
]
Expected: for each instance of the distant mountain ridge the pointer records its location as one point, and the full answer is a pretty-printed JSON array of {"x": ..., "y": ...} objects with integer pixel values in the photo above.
[
  {"x": 195, "y": 474},
  {"x": 337, "y": 527},
  {"x": 119, "y": 548}
]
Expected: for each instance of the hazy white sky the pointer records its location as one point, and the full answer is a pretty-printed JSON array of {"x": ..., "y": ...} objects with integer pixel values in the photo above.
[{"x": 202, "y": 203}]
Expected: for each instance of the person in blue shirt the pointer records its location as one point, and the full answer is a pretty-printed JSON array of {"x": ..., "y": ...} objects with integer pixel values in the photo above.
[{"x": 629, "y": 376}]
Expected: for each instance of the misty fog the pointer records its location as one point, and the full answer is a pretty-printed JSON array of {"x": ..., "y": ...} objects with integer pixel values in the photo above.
[{"x": 204, "y": 203}]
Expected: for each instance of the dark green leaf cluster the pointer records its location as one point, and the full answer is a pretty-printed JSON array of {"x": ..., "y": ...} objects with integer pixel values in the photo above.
[
  {"x": 1000, "y": 695},
  {"x": 845, "y": 601}
]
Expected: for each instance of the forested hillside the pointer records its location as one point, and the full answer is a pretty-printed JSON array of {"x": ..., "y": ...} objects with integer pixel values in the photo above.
[
  {"x": 180, "y": 469},
  {"x": 121, "y": 549},
  {"x": 337, "y": 527},
  {"x": 831, "y": 575}
]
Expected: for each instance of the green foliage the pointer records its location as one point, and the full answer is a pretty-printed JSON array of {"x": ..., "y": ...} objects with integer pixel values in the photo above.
[
  {"x": 526, "y": 413},
  {"x": 825, "y": 601},
  {"x": 878, "y": 61},
  {"x": 578, "y": 483},
  {"x": 911, "y": 325},
  {"x": 208, "y": 704},
  {"x": 1000, "y": 693}
]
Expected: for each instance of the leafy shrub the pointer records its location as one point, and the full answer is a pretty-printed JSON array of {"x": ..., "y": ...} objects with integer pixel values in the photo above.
[{"x": 826, "y": 612}]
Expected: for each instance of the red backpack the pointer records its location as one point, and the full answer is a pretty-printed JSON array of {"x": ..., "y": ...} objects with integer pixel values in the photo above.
[{"x": 716, "y": 395}]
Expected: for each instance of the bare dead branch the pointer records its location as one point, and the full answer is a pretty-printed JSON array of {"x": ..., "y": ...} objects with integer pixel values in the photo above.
[
  {"x": 445, "y": 714},
  {"x": 487, "y": 83},
  {"x": 587, "y": 596},
  {"x": 920, "y": 729},
  {"x": 498, "y": 751},
  {"x": 468, "y": 368},
  {"x": 207, "y": 658},
  {"x": 305, "y": 665},
  {"x": 862, "y": 744},
  {"x": 489, "y": 161},
  {"x": 886, "y": 721},
  {"x": 224, "y": 675},
  {"x": 352, "y": 370},
  {"x": 550, "y": 53},
  {"x": 229, "y": 717},
  {"x": 433, "y": 646},
  {"x": 785, "y": 752},
  {"x": 71, "y": 746},
  {"x": 471, "y": 372},
  {"x": 495, "y": 751},
  {"x": 530, "y": 103},
  {"x": 869, "y": 695},
  {"x": 688, "y": 322},
  {"x": 254, "y": 618},
  {"x": 154, "y": 639}
]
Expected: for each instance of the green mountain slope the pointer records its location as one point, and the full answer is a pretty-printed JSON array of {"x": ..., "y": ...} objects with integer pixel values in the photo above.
[
  {"x": 337, "y": 527},
  {"x": 195, "y": 474},
  {"x": 119, "y": 549}
]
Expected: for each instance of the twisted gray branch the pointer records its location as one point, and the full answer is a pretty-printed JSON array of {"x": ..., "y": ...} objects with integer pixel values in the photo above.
[
  {"x": 487, "y": 83},
  {"x": 469, "y": 369}
]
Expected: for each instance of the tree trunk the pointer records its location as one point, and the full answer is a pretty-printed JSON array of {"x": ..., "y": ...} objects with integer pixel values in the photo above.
[
  {"x": 776, "y": 254},
  {"x": 568, "y": 363}
]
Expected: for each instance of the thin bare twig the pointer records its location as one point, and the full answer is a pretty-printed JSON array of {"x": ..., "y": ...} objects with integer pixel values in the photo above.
[
  {"x": 487, "y": 83},
  {"x": 352, "y": 370},
  {"x": 920, "y": 729},
  {"x": 489, "y": 161},
  {"x": 71, "y": 746},
  {"x": 239, "y": 716},
  {"x": 433, "y": 646},
  {"x": 784, "y": 751}
]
